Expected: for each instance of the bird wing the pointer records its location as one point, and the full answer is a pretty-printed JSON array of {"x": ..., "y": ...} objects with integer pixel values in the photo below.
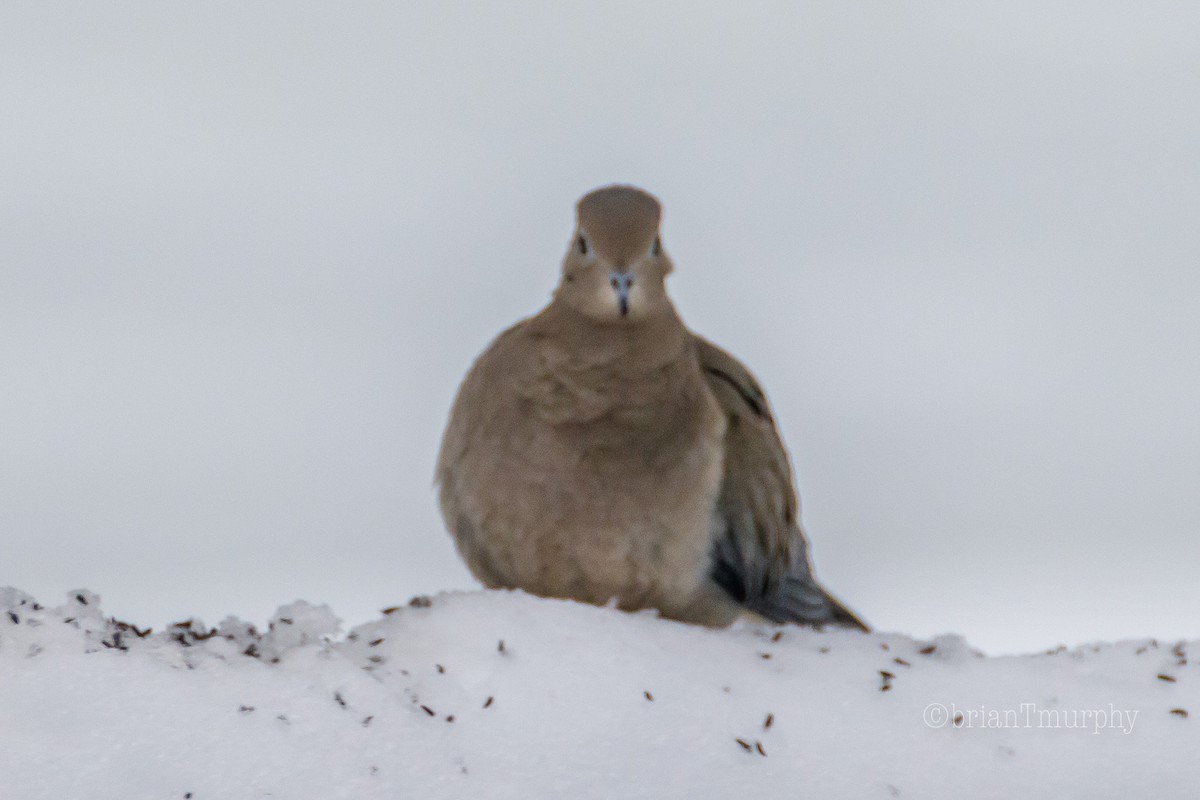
[{"x": 760, "y": 555}]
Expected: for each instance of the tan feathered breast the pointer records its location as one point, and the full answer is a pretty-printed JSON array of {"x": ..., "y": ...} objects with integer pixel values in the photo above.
[{"x": 588, "y": 470}]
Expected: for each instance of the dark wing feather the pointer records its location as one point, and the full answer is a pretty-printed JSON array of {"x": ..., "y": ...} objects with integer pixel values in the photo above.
[{"x": 760, "y": 555}]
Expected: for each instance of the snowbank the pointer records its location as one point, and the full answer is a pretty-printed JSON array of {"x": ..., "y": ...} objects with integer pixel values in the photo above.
[{"x": 499, "y": 695}]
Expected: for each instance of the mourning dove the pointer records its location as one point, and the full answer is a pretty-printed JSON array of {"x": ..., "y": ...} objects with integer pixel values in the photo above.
[{"x": 600, "y": 451}]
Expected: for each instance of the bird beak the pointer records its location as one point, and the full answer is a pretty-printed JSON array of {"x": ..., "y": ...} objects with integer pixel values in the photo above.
[{"x": 621, "y": 283}]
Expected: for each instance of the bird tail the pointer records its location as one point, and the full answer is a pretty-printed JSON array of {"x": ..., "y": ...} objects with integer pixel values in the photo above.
[
  {"x": 842, "y": 616},
  {"x": 803, "y": 600}
]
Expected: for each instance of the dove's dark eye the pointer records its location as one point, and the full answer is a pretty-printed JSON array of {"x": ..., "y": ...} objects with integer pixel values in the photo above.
[{"x": 582, "y": 245}]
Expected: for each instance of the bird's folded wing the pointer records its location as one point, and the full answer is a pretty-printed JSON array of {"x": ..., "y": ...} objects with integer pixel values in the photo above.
[{"x": 760, "y": 556}]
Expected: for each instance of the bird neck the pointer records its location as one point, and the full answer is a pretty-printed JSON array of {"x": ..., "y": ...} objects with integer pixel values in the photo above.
[
  {"x": 623, "y": 347},
  {"x": 622, "y": 379}
]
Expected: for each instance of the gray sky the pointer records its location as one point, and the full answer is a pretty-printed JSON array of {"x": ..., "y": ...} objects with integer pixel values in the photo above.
[{"x": 247, "y": 251}]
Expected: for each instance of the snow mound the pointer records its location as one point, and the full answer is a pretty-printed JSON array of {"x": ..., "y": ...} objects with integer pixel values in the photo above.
[{"x": 499, "y": 694}]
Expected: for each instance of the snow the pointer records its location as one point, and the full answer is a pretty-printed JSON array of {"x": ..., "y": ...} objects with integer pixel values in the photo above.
[{"x": 498, "y": 694}]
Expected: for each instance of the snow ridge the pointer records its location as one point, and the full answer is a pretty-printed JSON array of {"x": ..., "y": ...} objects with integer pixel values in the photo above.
[{"x": 501, "y": 694}]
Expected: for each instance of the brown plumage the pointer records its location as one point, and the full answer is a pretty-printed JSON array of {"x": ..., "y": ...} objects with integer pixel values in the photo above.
[{"x": 601, "y": 451}]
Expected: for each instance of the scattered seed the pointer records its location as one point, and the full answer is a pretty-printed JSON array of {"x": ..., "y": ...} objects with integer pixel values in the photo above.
[
  {"x": 1179, "y": 712},
  {"x": 251, "y": 650},
  {"x": 390, "y": 610},
  {"x": 758, "y": 746},
  {"x": 450, "y": 718},
  {"x": 287, "y": 620},
  {"x": 764, "y": 656},
  {"x": 500, "y": 646},
  {"x": 15, "y": 619},
  {"x": 429, "y": 711},
  {"x": 958, "y": 720},
  {"x": 420, "y": 601},
  {"x": 769, "y": 721},
  {"x": 901, "y": 662},
  {"x": 927, "y": 650},
  {"x": 81, "y": 599},
  {"x": 283, "y": 718},
  {"x": 778, "y": 635},
  {"x": 884, "y": 646},
  {"x": 376, "y": 642},
  {"x": 744, "y": 744},
  {"x": 367, "y": 720},
  {"x": 441, "y": 670},
  {"x": 488, "y": 702},
  {"x": 823, "y": 650},
  {"x": 649, "y": 696},
  {"x": 1167, "y": 678},
  {"x": 376, "y": 659},
  {"x": 245, "y": 709},
  {"x": 341, "y": 701}
]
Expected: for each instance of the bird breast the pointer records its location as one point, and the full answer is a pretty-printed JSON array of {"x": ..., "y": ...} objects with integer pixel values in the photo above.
[{"x": 611, "y": 485}]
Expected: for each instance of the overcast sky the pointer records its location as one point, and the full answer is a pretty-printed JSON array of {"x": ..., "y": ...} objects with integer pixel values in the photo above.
[{"x": 248, "y": 250}]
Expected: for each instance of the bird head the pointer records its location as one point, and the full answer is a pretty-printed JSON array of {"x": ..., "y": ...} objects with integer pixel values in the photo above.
[{"x": 615, "y": 268}]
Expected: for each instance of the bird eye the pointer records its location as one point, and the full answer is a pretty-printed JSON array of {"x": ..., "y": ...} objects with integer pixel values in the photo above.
[
  {"x": 582, "y": 245},
  {"x": 656, "y": 248}
]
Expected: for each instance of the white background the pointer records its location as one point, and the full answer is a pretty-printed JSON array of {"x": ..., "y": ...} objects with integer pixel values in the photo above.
[{"x": 247, "y": 251}]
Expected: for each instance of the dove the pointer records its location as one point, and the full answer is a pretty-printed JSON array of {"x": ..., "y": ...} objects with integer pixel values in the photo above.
[{"x": 602, "y": 452}]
